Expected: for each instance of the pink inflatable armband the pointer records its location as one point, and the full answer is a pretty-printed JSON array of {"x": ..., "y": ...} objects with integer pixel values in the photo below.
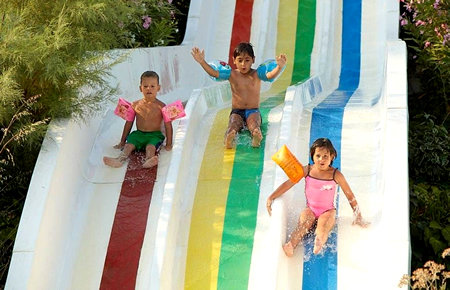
[
  {"x": 173, "y": 111},
  {"x": 124, "y": 110}
]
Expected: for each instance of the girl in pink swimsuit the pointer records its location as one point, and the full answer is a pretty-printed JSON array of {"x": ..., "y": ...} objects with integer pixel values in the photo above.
[{"x": 321, "y": 181}]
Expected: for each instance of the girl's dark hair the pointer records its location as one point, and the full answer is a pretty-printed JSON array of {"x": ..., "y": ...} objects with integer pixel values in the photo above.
[
  {"x": 244, "y": 47},
  {"x": 323, "y": 142},
  {"x": 150, "y": 74}
]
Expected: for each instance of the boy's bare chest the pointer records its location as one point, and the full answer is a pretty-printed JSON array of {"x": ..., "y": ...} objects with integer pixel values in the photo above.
[
  {"x": 248, "y": 83},
  {"x": 147, "y": 110}
]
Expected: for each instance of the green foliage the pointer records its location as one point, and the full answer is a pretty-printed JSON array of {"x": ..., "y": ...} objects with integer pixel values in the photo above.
[
  {"x": 183, "y": 8},
  {"x": 429, "y": 170},
  {"x": 149, "y": 23},
  {"x": 424, "y": 27},
  {"x": 429, "y": 149},
  {"x": 425, "y": 24},
  {"x": 429, "y": 221}
]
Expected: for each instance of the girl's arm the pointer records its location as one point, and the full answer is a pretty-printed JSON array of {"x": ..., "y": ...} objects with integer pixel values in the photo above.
[
  {"x": 340, "y": 179},
  {"x": 199, "y": 56},
  {"x": 285, "y": 186}
]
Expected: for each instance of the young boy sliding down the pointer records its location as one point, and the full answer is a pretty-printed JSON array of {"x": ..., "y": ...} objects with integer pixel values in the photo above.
[
  {"x": 245, "y": 91},
  {"x": 148, "y": 123}
]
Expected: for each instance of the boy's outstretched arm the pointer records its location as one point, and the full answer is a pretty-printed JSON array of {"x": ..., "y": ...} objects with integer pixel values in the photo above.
[
  {"x": 199, "y": 56},
  {"x": 281, "y": 62}
]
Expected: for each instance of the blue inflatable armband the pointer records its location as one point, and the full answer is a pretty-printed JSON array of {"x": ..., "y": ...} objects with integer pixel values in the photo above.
[
  {"x": 223, "y": 68},
  {"x": 268, "y": 66}
]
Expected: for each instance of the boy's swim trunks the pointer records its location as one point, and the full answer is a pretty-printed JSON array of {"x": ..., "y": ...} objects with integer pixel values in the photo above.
[
  {"x": 142, "y": 139},
  {"x": 244, "y": 113}
]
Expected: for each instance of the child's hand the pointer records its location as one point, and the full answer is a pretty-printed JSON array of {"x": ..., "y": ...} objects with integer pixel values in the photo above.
[
  {"x": 269, "y": 205},
  {"x": 359, "y": 221},
  {"x": 199, "y": 55},
  {"x": 281, "y": 60},
  {"x": 119, "y": 146},
  {"x": 168, "y": 147}
]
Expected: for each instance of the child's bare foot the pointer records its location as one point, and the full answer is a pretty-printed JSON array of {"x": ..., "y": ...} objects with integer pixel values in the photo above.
[
  {"x": 229, "y": 139},
  {"x": 256, "y": 137},
  {"x": 317, "y": 246},
  {"x": 150, "y": 162},
  {"x": 288, "y": 249},
  {"x": 114, "y": 162}
]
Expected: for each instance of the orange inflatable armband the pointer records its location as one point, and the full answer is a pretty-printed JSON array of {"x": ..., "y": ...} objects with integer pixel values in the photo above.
[{"x": 287, "y": 161}]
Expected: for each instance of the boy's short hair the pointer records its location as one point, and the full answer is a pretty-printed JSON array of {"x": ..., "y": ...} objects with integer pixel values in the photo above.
[
  {"x": 244, "y": 47},
  {"x": 150, "y": 74},
  {"x": 326, "y": 143}
]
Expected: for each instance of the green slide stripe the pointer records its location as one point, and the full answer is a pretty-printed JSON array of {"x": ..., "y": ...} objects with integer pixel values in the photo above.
[
  {"x": 306, "y": 22},
  {"x": 242, "y": 206}
]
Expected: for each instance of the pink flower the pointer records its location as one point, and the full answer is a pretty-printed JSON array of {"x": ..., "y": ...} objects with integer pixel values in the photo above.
[
  {"x": 170, "y": 1},
  {"x": 420, "y": 22},
  {"x": 403, "y": 22},
  {"x": 436, "y": 4},
  {"x": 427, "y": 44},
  {"x": 446, "y": 39},
  {"x": 147, "y": 21}
]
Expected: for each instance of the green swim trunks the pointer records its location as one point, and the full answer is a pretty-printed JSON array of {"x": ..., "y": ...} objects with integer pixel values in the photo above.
[{"x": 142, "y": 139}]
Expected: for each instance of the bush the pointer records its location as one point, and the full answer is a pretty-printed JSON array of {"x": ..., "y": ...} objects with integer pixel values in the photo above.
[
  {"x": 149, "y": 23},
  {"x": 425, "y": 28},
  {"x": 429, "y": 149}
]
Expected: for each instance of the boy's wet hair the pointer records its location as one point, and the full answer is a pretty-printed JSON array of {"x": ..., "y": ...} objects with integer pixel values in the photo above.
[
  {"x": 326, "y": 143},
  {"x": 150, "y": 74},
  {"x": 244, "y": 47}
]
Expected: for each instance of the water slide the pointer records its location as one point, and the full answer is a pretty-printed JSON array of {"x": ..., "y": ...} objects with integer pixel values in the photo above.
[{"x": 198, "y": 220}]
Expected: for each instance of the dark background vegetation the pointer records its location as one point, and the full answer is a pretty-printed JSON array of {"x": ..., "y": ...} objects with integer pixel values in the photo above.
[{"x": 23, "y": 100}]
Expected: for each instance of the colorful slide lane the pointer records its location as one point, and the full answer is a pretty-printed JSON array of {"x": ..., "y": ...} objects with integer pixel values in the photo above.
[{"x": 205, "y": 225}]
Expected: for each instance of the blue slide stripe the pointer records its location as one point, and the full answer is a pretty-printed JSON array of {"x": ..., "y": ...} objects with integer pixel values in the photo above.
[{"x": 320, "y": 271}]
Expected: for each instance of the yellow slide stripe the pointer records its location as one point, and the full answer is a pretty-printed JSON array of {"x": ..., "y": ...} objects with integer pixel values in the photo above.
[
  {"x": 286, "y": 35},
  {"x": 205, "y": 236}
]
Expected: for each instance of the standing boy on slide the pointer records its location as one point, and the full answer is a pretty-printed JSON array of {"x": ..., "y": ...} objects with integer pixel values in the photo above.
[{"x": 245, "y": 90}]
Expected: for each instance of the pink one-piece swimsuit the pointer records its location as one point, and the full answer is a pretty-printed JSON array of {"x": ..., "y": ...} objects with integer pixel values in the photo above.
[{"x": 320, "y": 194}]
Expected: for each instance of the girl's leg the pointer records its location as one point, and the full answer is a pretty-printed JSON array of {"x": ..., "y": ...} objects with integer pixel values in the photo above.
[
  {"x": 324, "y": 225},
  {"x": 254, "y": 126},
  {"x": 306, "y": 221},
  {"x": 118, "y": 161},
  {"x": 235, "y": 124},
  {"x": 150, "y": 156}
]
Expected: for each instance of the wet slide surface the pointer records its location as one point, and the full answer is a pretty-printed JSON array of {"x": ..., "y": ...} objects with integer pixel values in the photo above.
[
  {"x": 320, "y": 271},
  {"x": 225, "y": 206},
  {"x": 130, "y": 221}
]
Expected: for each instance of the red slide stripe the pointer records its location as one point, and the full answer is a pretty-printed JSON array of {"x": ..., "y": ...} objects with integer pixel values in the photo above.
[
  {"x": 130, "y": 221},
  {"x": 242, "y": 25}
]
